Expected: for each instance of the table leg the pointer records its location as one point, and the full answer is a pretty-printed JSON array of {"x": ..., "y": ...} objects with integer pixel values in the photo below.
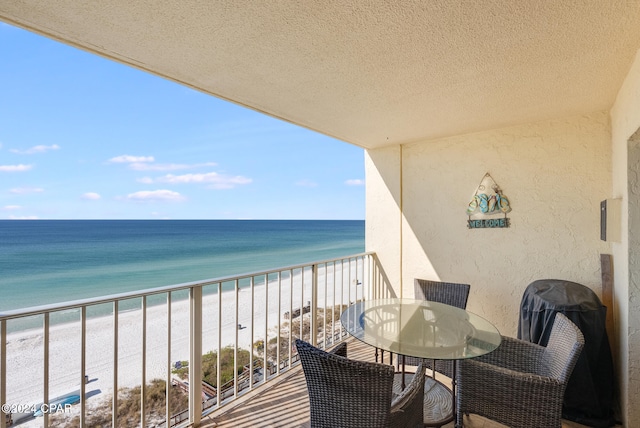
[
  {"x": 436, "y": 397},
  {"x": 457, "y": 422},
  {"x": 439, "y": 400},
  {"x": 403, "y": 373}
]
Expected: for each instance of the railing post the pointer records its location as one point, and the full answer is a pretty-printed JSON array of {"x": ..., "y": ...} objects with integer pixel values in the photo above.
[
  {"x": 168, "y": 378},
  {"x": 313, "y": 312},
  {"x": 235, "y": 346},
  {"x": 83, "y": 366},
  {"x": 266, "y": 329},
  {"x": 195, "y": 355},
  {"x": 372, "y": 278},
  {"x": 290, "y": 341},
  {"x": 3, "y": 372},
  {"x": 279, "y": 323},
  {"x": 251, "y": 332},
  {"x": 45, "y": 346},
  {"x": 369, "y": 277},
  {"x": 114, "y": 405},
  {"x": 143, "y": 384},
  {"x": 219, "y": 357}
]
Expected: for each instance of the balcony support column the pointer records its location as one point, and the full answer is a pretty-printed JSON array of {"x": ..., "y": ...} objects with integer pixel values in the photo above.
[
  {"x": 3, "y": 372},
  {"x": 313, "y": 313},
  {"x": 83, "y": 366},
  {"x": 45, "y": 375},
  {"x": 195, "y": 356},
  {"x": 114, "y": 403}
]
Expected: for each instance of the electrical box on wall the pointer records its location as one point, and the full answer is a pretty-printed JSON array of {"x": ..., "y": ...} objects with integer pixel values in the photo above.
[{"x": 610, "y": 219}]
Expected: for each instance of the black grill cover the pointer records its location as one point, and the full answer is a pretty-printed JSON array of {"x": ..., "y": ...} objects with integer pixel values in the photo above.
[{"x": 589, "y": 395}]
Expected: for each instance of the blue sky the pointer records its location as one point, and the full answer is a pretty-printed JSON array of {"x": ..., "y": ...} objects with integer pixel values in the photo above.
[{"x": 82, "y": 137}]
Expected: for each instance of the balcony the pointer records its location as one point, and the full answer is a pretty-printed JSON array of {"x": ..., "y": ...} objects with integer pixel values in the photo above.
[
  {"x": 285, "y": 405},
  {"x": 234, "y": 316},
  {"x": 72, "y": 356}
]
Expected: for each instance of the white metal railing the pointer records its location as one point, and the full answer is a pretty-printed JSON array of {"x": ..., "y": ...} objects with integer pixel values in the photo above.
[{"x": 257, "y": 313}]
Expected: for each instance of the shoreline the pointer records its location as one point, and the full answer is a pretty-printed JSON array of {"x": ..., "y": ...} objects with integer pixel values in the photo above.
[{"x": 153, "y": 300}]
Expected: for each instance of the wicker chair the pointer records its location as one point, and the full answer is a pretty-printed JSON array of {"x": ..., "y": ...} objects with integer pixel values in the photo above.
[
  {"x": 355, "y": 394},
  {"x": 449, "y": 293},
  {"x": 521, "y": 384}
]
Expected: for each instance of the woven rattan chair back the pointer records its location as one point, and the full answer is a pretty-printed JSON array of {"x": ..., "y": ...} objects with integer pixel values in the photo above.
[
  {"x": 357, "y": 394},
  {"x": 560, "y": 354},
  {"x": 521, "y": 384},
  {"x": 449, "y": 293}
]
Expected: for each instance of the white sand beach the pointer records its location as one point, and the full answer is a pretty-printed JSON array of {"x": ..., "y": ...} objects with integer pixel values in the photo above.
[{"x": 25, "y": 349}]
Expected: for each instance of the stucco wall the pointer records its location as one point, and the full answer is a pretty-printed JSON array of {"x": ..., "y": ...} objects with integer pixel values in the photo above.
[
  {"x": 382, "y": 221},
  {"x": 555, "y": 174},
  {"x": 625, "y": 121}
]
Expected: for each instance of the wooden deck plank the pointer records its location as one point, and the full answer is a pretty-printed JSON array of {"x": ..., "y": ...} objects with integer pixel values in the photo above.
[{"x": 285, "y": 403}]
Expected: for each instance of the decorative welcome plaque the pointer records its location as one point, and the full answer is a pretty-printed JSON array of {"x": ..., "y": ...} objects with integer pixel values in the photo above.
[{"x": 487, "y": 203}]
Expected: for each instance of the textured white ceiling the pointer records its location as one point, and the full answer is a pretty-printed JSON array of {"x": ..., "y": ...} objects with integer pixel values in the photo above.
[{"x": 367, "y": 72}]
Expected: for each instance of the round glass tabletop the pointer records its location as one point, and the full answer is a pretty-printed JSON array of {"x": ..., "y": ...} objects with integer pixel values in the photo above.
[{"x": 420, "y": 328}]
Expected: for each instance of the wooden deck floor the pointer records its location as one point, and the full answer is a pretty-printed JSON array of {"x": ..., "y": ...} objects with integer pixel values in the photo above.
[{"x": 285, "y": 404}]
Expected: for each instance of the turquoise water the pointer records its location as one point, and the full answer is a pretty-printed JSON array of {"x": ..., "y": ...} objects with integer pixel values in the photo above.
[{"x": 50, "y": 261}]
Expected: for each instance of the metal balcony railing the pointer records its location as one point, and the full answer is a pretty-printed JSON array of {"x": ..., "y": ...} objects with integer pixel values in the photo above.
[{"x": 255, "y": 317}]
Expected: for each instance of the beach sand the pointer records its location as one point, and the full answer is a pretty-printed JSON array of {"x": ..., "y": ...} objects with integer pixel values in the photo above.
[{"x": 25, "y": 350}]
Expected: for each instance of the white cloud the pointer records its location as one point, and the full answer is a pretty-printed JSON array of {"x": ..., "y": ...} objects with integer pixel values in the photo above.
[
  {"x": 354, "y": 182},
  {"x": 11, "y": 207},
  {"x": 26, "y": 217},
  {"x": 132, "y": 159},
  {"x": 160, "y": 216},
  {"x": 146, "y": 163},
  {"x": 138, "y": 166},
  {"x": 91, "y": 196},
  {"x": 213, "y": 179},
  {"x": 306, "y": 183},
  {"x": 25, "y": 190},
  {"x": 155, "y": 196},
  {"x": 36, "y": 149},
  {"x": 15, "y": 168}
]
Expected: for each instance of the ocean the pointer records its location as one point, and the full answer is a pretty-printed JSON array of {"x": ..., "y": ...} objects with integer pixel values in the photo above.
[{"x": 50, "y": 261}]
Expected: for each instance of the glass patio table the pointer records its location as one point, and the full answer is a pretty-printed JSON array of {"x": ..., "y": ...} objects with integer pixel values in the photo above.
[{"x": 423, "y": 329}]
